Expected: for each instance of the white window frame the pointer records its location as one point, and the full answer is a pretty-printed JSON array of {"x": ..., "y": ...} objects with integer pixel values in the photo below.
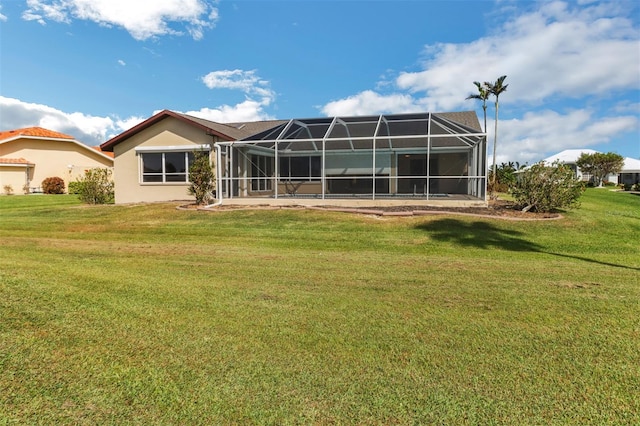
[{"x": 186, "y": 149}]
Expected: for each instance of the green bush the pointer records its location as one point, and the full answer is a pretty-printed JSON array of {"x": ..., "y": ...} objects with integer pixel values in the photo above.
[
  {"x": 636, "y": 187},
  {"x": 543, "y": 188},
  {"x": 96, "y": 187},
  {"x": 75, "y": 187},
  {"x": 53, "y": 185},
  {"x": 201, "y": 177}
]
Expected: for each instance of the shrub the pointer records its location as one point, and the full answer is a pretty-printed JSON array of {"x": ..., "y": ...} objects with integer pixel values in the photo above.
[
  {"x": 636, "y": 187},
  {"x": 545, "y": 188},
  {"x": 8, "y": 189},
  {"x": 201, "y": 177},
  {"x": 53, "y": 185},
  {"x": 95, "y": 187},
  {"x": 75, "y": 187}
]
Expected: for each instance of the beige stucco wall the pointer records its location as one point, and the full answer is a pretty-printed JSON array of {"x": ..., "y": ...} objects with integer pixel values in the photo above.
[
  {"x": 64, "y": 159},
  {"x": 170, "y": 131},
  {"x": 16, "y": 176}
]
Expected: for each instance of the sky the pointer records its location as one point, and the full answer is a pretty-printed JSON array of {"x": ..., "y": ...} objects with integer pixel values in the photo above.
[{"x": 95, "y": 68}]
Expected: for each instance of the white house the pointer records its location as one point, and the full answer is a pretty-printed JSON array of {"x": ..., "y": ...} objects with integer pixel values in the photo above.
[{"x": 630, "y": 172}]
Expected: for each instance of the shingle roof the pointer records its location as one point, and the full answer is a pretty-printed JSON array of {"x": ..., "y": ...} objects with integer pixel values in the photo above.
[
  {"x": 466, "y": 118},
  {"x": 230, "y": 132},
  {"x": 34, "y": 132}
]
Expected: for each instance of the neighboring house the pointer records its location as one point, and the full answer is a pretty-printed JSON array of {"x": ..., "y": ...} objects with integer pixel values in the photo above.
[
  {"x": 418, "y": 156},
  {"x": 29, "y": 155},
  {"x": 630, "y": 172}
]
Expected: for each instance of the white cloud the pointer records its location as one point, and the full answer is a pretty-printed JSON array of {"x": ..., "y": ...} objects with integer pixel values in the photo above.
[
  {"x": 2, "y": 17},
  {"x": 551, "y": 52},
  {"x": 121, "y": 62},
  {"x": 524, "y": 139},
  {"x": 142, "y": 19},
  {"x": 245, "y": 111},
  {"x": 246, "y": 81},
  {"x": 370, "y": 102},
  {"x": 91, "y": 130}
]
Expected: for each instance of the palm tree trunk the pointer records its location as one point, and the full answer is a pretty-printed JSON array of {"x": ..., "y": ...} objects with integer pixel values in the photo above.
[{"x": 495, "y": 141}]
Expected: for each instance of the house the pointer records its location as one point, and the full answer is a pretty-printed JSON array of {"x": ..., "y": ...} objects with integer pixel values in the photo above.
[
  {"x": 630, "y": 172},
  {"x": 420, "y": 157},
  {"x": 32, "y": 154}
]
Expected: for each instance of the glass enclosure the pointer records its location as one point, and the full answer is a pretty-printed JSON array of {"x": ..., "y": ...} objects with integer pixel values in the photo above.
[{"x": 406, "y": 156}]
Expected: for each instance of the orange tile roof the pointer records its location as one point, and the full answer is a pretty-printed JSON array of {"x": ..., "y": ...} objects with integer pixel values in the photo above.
[
  {"x": 34, "y": 132},
  {"x": 14, "y": 161},
  {"x": 107, "y": 153}
]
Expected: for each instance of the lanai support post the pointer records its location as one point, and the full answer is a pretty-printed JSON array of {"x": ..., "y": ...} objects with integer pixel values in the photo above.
[
  {"x": 373, "y": 154},
  {"x": 428, "y": 156}
]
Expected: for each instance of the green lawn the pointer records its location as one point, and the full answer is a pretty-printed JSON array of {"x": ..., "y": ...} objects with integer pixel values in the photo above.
[{"x": 149, "y": 315}]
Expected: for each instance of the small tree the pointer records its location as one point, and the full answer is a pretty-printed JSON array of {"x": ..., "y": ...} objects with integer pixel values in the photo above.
[
  {"x": 53, "y": 185},
  {"x": 201, "y": 177},
  {"x": 544, "y": 188},
  {"x": 95, "y": 187},
  {"x": 600, "y": 165},
  {"x": 505, "y": 177}
]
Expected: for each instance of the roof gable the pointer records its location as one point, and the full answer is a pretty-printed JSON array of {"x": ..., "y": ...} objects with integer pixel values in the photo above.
[{"x": 228, "y": 132}]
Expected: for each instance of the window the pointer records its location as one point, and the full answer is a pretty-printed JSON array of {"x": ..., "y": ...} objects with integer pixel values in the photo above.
[
  {"x": 261, "y": 173},
  {"x": 166, "y": 167},
  {"x": 300, "y": 168}
]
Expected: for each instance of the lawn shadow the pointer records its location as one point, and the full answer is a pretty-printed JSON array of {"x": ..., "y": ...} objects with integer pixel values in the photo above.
[
  {"x": 478, "y": 234},
  {"x": 485, "y": 235}
]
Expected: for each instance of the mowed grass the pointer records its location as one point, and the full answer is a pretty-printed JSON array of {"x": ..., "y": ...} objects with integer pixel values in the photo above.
[{"x": 149, "y": 315}]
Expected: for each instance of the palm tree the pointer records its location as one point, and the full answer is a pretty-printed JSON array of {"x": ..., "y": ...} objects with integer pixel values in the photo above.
[
  {"x": 483, "y": 95},
  {"x": 496, "y": 89}
]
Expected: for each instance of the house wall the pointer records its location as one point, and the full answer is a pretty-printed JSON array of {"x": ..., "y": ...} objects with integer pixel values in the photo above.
[
  {"x": 169, "y": 132},
  {"x": 16, "y": 176},
  {"x": 64, "y": 159}
]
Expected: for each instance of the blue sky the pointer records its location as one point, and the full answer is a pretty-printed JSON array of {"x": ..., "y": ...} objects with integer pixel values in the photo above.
[{"x": 95, "y": 68}]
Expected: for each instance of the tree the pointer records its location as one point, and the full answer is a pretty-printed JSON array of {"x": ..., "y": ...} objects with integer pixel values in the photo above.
[
  {"x": 201, "y": 176},
  {"x": 600, "y": 165},
  {"x": 483, "y": 95},
  {"x": 496, "y": 89},
  {"x": 505, "y": 177},
  {"x": 543, "y": 188},
  {"x": 95, "y": 187}
]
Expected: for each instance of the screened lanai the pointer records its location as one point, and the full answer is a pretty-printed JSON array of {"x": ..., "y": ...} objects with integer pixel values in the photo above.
[{"x": 418, "y": 156}]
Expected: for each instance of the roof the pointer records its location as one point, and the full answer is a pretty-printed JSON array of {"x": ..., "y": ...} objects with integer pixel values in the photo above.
[
  {"x": 568, "y": 155},
  {"x": 15, "y": 161},
  {"x": 39, "y": 133},
  {"x": 229, "y": 131},
  {"x": 107, "y": 153},
  {"x": 33, "y": 132},
  {"x": 389, "y": 131},
  {"x": 243, "y": 130},
  {"x": 631, "y": 165}
]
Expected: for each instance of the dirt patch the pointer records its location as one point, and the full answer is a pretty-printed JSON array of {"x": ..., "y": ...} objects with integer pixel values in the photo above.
[{"x": 501, "y": 209}]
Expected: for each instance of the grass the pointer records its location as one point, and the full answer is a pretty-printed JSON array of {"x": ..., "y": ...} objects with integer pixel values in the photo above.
[{"x": 148, "y": 315}]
